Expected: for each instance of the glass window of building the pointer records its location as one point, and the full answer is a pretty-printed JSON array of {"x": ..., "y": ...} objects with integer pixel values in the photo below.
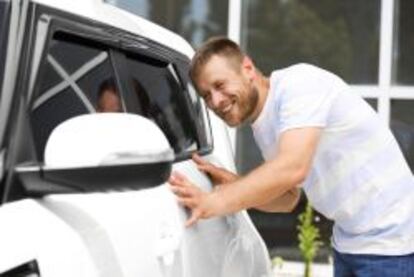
[
  {"x": 402, "y": 125},
  {"x": 404, "y": 42},
  {"x": 195, "y": 20},
  {"x": 373, "y": 102},
  {"x": 340, "y": 36}
]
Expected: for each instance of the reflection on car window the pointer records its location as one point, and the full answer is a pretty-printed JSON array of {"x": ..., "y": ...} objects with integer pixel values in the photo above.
[
  {"x": 109, "y": 99},
  {"x": 199, "y": 107},
  {"x": 4, "y": 26},
  {"x": 162, "y": 99},
  {"x": 71, "y": 80}
]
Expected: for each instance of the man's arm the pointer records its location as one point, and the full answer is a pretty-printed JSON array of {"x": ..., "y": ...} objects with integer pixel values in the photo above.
[
  {"x": 274, "y": 178},
  {"x": 221, "y": 177},
  {"x": 283, "y": 204},
  {"x": 267, "y": 182}
]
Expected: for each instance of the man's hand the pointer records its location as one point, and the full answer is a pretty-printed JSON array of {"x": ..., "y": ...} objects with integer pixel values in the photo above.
[
  {"x": 268, "y": 182},
  {"x": 217, "y": 174},
  {"x": 202, "y": 204}
]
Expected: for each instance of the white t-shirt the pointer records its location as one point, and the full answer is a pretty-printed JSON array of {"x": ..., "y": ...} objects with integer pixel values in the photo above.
[{"x": 358, "y": 177}]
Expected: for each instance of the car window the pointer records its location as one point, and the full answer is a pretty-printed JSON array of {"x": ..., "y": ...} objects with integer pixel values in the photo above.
[
  {"x": 163, "y": 100},
  {"x": 201, "y": 115},
  {"x": 4, "y": 27},
  {"x": 76, "y": 77}
]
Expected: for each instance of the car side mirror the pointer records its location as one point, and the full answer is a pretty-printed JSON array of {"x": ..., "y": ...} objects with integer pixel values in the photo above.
[{"x": 101, "y": 152}]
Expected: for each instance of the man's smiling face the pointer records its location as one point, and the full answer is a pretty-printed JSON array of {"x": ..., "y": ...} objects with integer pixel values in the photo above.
[{"x": 227, "y": 90}]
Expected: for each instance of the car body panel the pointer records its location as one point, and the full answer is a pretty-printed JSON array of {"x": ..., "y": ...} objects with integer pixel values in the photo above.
[
  {"x": 103, "y": 12},
  {"x": 134, "y": 233},
  {"x": 31, "y": 232}
]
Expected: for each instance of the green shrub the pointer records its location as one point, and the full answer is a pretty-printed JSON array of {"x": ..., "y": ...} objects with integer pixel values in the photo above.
[{"x": 309, "y": 238}]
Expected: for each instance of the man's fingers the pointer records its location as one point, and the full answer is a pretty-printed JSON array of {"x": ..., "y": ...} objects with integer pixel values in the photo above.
[
  {"x": 188, "y": 195},
  {"x": 177, "y": 179},
  {"x": 177, "y": 175},
  {"x": 186, "y": 202},
  {"x": 201, "y": 163},
  {"x": 206, "y": 169},
  {"x": 195, "y": 216},
  {"x": 175, "y": 182},
  {"x": 181, "y": 191},
  {"x": 198, "y": 160}
]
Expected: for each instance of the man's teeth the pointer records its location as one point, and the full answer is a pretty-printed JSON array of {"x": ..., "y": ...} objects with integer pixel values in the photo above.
[{"x": 227, "y": 108}]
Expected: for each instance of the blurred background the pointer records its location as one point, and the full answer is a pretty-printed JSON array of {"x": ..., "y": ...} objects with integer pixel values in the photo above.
[{"x": 368, "y": 43}]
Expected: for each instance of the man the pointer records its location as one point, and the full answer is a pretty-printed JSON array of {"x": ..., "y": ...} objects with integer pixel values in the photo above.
[
  {"x": 108, "y": 97},
  {"x": 315, "y": 134}
]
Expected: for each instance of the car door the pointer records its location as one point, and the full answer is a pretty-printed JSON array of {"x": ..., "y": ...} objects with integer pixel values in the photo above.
[{"x": 119, "y": 232}]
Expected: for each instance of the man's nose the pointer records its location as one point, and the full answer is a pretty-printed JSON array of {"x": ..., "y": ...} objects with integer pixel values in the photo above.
[{"x": 217, "y": 99}]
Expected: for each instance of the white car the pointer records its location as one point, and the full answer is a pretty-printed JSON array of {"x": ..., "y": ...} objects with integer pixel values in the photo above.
[{"x": 83, "y": 192}]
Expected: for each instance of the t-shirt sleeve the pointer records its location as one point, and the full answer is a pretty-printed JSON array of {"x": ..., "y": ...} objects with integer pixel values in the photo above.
[{"x": 306, "y": 101}]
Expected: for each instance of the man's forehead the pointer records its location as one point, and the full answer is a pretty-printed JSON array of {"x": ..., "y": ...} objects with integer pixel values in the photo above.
[
  {"x": 218, "y": 61},
  {"x": 216, "y": 67},
  {"x": 110, "y": 91}
]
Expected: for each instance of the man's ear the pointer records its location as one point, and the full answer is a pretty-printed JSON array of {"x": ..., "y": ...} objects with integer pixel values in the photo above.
[{"x": 248, "y": 68}]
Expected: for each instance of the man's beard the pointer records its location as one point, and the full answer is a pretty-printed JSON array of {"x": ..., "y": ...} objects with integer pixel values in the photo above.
[
  {"x": 250, "y": 105},
  {"x": 246, "y": 106}
]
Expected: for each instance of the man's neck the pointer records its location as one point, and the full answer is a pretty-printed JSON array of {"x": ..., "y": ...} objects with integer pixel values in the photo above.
[{"x": 262, "y": 84}]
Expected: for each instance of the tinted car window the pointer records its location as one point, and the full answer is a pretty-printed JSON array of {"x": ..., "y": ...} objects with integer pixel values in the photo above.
[
  {"x": 162, "y": 99},
  {"x": 75, "y": 78},
  {"x": 200, "y": 110},
  {"x": 4, "y": 27}
]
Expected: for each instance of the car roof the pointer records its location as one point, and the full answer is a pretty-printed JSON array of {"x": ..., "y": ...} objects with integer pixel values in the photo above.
[{"x": 108, "y": 14}]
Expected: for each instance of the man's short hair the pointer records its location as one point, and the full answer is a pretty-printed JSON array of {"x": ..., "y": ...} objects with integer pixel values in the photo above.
[
  {"x": 107, "y": 85},
  {"x": 221, "y": 46}
]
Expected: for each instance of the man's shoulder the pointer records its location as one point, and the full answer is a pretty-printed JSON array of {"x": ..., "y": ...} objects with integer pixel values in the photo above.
[
  {"x": 294, "y": 75},
  {"x": 301, "y": 69},
  {"x": 304, "y": 75}
]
